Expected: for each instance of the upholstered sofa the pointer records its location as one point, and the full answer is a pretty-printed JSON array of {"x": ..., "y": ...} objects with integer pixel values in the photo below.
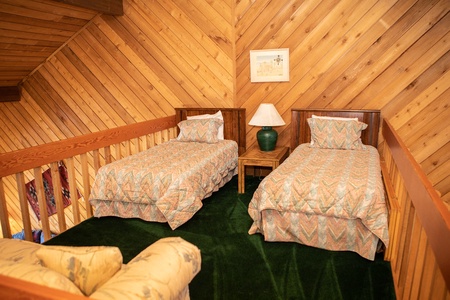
[{"x": 161, "y": 271}]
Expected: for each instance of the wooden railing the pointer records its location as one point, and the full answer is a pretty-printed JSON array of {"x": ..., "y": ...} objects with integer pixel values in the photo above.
[
  {"x": 83, "y": 156},
  {"x": 419, "y": 225}
]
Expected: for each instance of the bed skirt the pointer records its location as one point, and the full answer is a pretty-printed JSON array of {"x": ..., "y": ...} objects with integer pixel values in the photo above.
[
  {"x": 319, "y": 231},
  {"x": 150, "y": 212}
]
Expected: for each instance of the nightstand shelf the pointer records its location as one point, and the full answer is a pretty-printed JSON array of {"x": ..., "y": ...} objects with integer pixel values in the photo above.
[{"x": 258, "y": 158}]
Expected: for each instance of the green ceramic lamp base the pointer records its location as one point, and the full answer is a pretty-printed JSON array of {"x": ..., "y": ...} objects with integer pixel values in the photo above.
[{"x": 267, "y": 138}]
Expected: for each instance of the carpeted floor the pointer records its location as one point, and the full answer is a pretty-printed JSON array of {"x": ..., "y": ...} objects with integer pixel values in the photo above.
[{"x": 236, "y": 265}]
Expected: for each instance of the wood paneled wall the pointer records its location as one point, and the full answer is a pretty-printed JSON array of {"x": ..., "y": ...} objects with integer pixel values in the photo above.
[
  {"x": 161, "y": 54},
  {"x": 388, "y": 55}
]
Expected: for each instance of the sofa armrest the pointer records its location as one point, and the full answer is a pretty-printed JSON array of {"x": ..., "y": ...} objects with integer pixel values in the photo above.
[
  {"x": 161, "y": 271},
  {"x": 19, "y": 251}
]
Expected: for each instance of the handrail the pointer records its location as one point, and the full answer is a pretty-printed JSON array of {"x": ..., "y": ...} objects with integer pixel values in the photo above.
[
  {"x": 422, "y": 221},
  {"x": 25, "y": 159}
]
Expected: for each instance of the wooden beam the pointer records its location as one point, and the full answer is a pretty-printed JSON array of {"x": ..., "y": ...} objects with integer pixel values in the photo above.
[
  {"x": 9, "y": 93},
  {"x": 109, "y": 7}
]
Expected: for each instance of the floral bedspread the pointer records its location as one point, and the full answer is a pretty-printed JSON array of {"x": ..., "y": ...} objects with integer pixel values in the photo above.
[
  {"x": 166, "y": 183},
  {"x": 331, "y": 199}
]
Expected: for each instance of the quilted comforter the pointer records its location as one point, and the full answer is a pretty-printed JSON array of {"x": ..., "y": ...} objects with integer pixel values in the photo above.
[
  {"x": 166, "y": 183},
  {"x": 326, "y": 198}
]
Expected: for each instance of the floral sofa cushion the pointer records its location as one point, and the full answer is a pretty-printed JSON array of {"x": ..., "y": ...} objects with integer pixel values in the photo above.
[
  {"x": 87, "y": 267},
  {"x": 173, "y": 263}
]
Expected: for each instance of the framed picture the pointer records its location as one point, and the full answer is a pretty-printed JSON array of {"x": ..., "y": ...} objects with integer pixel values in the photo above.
[{"x": 271, "y": 65}]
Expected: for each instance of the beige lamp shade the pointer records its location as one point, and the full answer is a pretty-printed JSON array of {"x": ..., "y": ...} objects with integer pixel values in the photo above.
[{"x": 266, "y": 115}]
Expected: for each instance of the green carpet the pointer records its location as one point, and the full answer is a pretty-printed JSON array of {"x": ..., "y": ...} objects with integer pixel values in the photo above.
[{"x": 236, "y": 265}]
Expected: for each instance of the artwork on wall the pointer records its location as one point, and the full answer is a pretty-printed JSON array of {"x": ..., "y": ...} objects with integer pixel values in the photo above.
[{"x": 271, "y": 65}]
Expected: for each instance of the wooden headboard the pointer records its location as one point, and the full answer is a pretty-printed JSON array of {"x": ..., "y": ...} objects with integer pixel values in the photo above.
[
  {"x": 300, "y": 132},
  {"x": 233, "y": 118}
]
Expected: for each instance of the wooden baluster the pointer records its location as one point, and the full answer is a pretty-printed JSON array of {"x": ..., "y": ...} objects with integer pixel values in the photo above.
[
  {"x": 57, "y": 194},
  {"x": 151, "y": 140},
  {"x": 96, "y": 156},
  {"x": 137, "y": 145},
  {"x": 108, "y": 157},
  {"x": 86, "y": 183},
  {"x": 73, "y": 190},
  {"x": 158, "y": 139},
  {"x": 25, "y": 212},
  {"x": 4, "y": 218},
  {"x": 40, "y": 192},
  {"x": 173, "y": 132},
  {"x": 145, "y": 144},
  {"x": 118, "y": 148}
]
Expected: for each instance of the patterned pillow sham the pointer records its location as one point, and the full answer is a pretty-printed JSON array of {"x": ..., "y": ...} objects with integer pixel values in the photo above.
[
  {"x": 87, "y": 267},
  {"x": 332, "y": 118},
  {"x": 199, "y": 130},
  {"x": 217, "y": 115},
  {"x": 336, "y": 134}
]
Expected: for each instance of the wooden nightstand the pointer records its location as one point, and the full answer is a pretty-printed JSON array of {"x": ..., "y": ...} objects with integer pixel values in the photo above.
[{"x": 256, "y": 157}]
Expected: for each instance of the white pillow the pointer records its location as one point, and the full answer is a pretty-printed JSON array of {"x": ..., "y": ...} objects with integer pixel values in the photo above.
[{"x": 217, "y": 115}]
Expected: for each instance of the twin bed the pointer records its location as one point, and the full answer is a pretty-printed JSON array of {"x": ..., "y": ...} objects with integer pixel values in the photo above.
[
  {"x": 327, "y": 194},
  {"x": 168, "y": 182}
]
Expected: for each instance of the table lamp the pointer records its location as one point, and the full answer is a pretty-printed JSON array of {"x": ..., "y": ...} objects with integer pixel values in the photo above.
[{"x": 266, "y": 116}]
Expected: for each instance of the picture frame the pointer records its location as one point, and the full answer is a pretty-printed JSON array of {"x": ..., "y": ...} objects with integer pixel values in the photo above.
[{"x": 269, "y": 65}]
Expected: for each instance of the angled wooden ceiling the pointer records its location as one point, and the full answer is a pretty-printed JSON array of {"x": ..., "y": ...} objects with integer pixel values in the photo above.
[{"x": 32, "y": 30}]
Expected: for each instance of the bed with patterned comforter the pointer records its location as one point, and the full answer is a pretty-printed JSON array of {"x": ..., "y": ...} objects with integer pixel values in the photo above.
[
  {"x": 166, "y": 183},
  {"x": 339, "y": 208}
]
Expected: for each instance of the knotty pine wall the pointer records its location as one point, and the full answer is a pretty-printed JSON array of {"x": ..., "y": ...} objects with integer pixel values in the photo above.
[{"x": 161, "y": 54}]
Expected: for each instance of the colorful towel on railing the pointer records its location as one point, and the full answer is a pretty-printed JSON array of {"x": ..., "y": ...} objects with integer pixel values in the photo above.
[
  {"x": 38, "y": 235},
  {"x": 49, "y": 195}
]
